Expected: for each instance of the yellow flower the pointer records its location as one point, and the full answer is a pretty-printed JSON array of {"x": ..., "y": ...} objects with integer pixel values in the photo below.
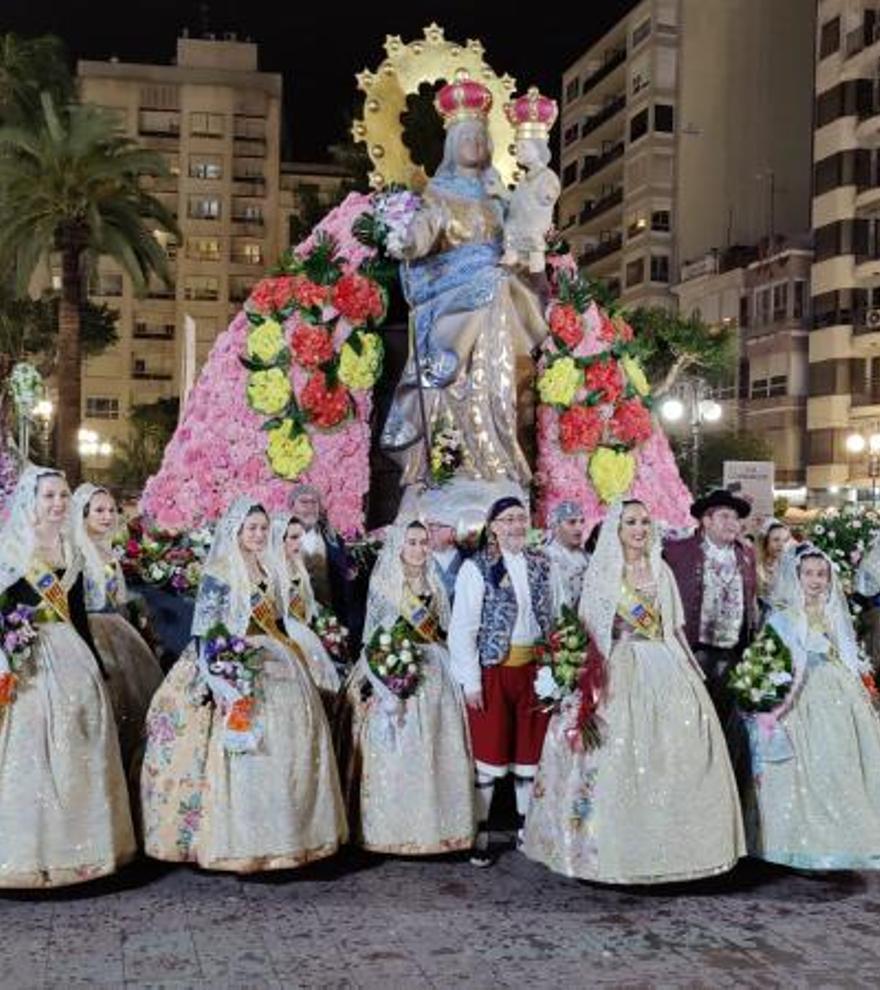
[
  {"x": 360, "y": 371},
  {"x": 612, "y": 473},
  {"x": 635, "y": 373},
  {"x": 265, "y": 341},
  {"x": 288, "y": 455},
  {"x": 268, "y": 391},
  {"x": 559, "y": 383}
]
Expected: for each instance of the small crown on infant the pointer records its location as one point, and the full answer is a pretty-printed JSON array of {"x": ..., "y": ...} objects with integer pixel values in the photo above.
[
  {"x": 533, "y": 115},
  {"x": 463, "y": 99}
]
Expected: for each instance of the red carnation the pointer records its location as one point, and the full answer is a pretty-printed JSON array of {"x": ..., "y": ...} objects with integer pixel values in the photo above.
[
  {"x": 132, "y": 549},
  {"x": 327, "y": 407},
  {"x": 358, "y": 299},
  {"x": 631, "y": 422},
  {"x": 604, "y": 377},
  {"x": 308, "y": 294},
  {"x": 607, "y": 330},
  {"x": 272, "y": 294},
  {"x": 626, "y": 332},
  {"x": 311, "y": 345},
  {"x": 565, "y": 323},
  {"x": 580, "y": 429}
]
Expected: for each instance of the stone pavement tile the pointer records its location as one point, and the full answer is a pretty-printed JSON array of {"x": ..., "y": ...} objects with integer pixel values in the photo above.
[
  {"x": 85, "y": 957},
  {"x": 309, "y": 973},
  {"x": 24, "y": 959},
  {"x": 233, "y": 952},
  {"x": 149, "y": 952},
  {"x": 389, "y": 974}
]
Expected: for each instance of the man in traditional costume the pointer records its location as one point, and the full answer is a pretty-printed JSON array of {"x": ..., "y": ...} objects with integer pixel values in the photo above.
[
  {"x": 566, "y": 550},
  {"x": 715, "y": 571},
  {"x": 503, "y": 607}
]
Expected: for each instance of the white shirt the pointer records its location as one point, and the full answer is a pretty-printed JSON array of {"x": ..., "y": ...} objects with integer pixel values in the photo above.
[
  {"x": 467, "y": 613},
  {"x": 568, "y": 568},
  {"x": 312, "y": 543},
  {"x": 445, "y": 557}
]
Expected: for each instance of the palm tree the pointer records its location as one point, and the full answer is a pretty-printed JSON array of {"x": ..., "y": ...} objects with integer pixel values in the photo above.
[
  {"x": 29, "y": 66},
  {"x": 69, "y": 183}
]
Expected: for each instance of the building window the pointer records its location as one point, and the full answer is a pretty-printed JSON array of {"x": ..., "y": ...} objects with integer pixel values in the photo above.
[
  {"x": 159, "y": 123},
  {"x": 570, "y": 135},
  {"x": 799, "y": 296},
  {"x": 762, "y": 307},
  {"x": 638, "y": 126},
  {"x": 855, "y": 97},
  {"x": 203, "y": 248},
  {"x": 660, "y": 220},
  {"x": 572, "y": 90},
  {"x": 637, "y": 225},
  {"x": 780, "y": 301},
  {"x": 204, "y": 207},
  {"x": 205, "y": 167},
  {"x": 97, "y": 407},
  {"x": 635, "y": 272},
  {"x": 569, "y": 174},
  {"x": 664, "y": 118},
  {"x": 829, "y": 39},
  {"x": 641, "y": 32},
  {"x": 778, "y": 385},
  {"x": 659, "y": 267},
  {"x": 206, "y": 124},
  {"x": 107, "y": 284},
  {"x": 201, "y": 288}
]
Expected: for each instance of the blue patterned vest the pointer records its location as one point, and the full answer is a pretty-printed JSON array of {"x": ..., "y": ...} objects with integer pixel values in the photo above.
[{"x": 499, "y": 603}]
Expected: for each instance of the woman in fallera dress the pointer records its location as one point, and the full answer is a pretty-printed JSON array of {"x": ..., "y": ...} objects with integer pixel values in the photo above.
[
  {"x": 232, "y": 781},
  {"x": 769, "y": 548},
  {"x": 295, "y": 588},
  {"x": 133, "y": 672},
  {"x": 64, "y": 812},
  {"x": 814, "y": 799},
  {"x": 408, "y": 765},
  {"x": 656, "y": 800}
]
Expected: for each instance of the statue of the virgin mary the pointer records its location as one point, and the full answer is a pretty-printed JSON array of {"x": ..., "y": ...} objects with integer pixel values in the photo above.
[{"x": 473, "y": 322}]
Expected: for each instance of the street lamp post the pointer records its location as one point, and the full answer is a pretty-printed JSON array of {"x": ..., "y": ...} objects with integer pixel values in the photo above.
[
  {"x": 858, "y": 443},
  {"x": 43, "y": 412},
  {"x": 694, "y": 399},
  {"x": 92, "y": 445}
]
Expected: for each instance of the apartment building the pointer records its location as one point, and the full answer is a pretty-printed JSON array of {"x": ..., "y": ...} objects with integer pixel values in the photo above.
[{"x": 844, "y": 349}]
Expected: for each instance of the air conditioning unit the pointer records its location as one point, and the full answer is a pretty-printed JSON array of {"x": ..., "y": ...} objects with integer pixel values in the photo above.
[{"x": 872, "y": 318}]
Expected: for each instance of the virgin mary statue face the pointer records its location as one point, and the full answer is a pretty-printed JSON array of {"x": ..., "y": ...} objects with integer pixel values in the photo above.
[{"x": 471, "y": 145}]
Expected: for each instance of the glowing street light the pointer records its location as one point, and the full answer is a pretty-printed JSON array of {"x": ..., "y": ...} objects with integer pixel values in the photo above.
[{"x": 694, "y": 400}]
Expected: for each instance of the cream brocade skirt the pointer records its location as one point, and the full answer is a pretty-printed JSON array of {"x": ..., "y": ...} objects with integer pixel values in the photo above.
[
  {"x": 133, "y": 675},
  {"x": 821, "y": 809},
  {"x": 410, "y": 789},
  {"x": 657, "y": 801},
  {"x": 64, "y": 814},
  {"x": 277, "y": 808}
]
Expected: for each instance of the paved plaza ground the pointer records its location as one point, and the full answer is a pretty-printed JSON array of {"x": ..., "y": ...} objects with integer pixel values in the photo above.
[{"x": 359, "y": 921}]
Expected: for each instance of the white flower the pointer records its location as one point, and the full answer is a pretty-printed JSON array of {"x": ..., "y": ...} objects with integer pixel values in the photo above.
[
  {"x": 381, "y": 670},
  {"x": 770, "y": 646},
  {"x": 406, "y": 644},
  {"x": 406, "y": 656},
  {"x": 780, "y": 677},
  {"x": 818, "y": 530},
  {"x": 857, "y": 523},
  {"x": 545, "y": 684},
  {"x": 413, "y": 668},
  {"x": 756, "y": 694},
  {"x": 384, "y": 640}
]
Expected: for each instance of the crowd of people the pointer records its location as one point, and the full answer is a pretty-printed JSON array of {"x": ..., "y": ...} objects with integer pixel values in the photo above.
[{"x": 261, "y": 748}]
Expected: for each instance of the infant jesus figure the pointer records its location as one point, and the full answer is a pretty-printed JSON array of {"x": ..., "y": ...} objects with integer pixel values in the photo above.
[{"x": 530, "y": 209}]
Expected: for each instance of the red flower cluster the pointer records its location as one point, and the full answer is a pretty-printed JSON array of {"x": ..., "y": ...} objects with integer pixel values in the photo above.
[
  {"x": 358, "y": 299},
  {"x": 616, "y": 329},
  {"x": 580, "y": 429},
  {"x": 311, "y": 345},
  {"x": 631, "y": 422},
  {"x": 604, "y": 377},
  {"x": 272, "y": 294},
  {"x": 327, "y": 407},
  {"x": 565, "y": 323},
  {"x": 308, "y": 294}
]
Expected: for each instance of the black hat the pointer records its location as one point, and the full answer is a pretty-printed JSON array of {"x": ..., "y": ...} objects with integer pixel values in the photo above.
[
  {"x": 720, "y": 498},
  {"x": 502, "y": 505}
]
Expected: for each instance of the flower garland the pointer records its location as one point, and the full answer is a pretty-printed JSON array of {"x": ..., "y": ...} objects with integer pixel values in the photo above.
[{"x": 26, "y": 386}]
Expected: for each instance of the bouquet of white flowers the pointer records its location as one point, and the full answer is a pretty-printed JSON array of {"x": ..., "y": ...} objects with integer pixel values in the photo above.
[
  {"x": 395, "y": 659},
  {"x": 763, "y": 678}
]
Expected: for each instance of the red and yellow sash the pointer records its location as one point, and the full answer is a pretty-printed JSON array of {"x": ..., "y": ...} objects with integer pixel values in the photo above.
[
  {"x": 46, "y": 584},
  {"x": 421, "y": 618},
  {"x": 297, "y": 604},
  {"x": 264, "y": 617},
  {"x": 639, "y": 613}
]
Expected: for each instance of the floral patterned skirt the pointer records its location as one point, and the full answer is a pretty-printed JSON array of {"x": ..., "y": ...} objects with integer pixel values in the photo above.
[
  {"x": 656, "y": 802},
  {"x": 64, "y": 813},
  {"x": 277, "y": 808},
  {"x": 409, "y": 779},
  {"x": 133, "y": 674}
]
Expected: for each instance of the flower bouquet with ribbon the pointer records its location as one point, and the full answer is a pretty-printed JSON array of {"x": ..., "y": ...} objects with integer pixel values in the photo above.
[
  {"x": 571, "y": 678},
  {"x": 18, "y": 634},
  {"x": 760, "y": 683},
  {"x": 333, "y": 636},
  {"x": 229, "y": 665},
  {"x": 395, "y": 659}
]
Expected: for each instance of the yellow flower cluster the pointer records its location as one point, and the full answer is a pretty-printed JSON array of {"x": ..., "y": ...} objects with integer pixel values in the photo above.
[
  {"x": 612, "y": 473},
  {"x": 268, "y": 391},
  {"x": 360, "y": 371},
  {"x": 559, "y": 383},
  {"x": 265, "y": 341},
  {"x": 636, "y": 375},
  {"x": 289, "y": 455}
]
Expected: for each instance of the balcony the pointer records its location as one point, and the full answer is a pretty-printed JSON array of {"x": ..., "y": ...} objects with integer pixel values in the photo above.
[
  {"x": 604, "y": 115},
  {"x": 868, "y": 200},
  {"x": 161, "y": 292},
  {"x": 595, "y": 165},
  {"x": 150, "y": 375},
  {"x": 617, "y": 58},
  {"x": 601, "y": 206},
  {"x": 242, "y": 258},
  {"x": 870, "y": 397},
  {"x": 863, "y": 36},
  {"x": 603, "y": 249},
  {"x": 867, "y": 267},
  {"x": 144, "y": 331}
]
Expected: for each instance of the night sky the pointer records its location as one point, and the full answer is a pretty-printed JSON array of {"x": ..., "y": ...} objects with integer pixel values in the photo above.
[{"x": 318, "y": 45}]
